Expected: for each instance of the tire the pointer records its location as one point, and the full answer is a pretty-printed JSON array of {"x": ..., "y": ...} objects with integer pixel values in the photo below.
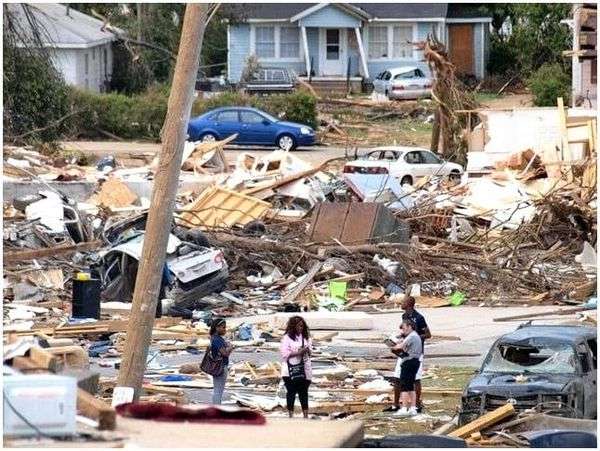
[
  {"x": 454, "y": 176},
  {"x": 208, "y": 137},
  {"x": 286, "y": 142},
  {"x": 406, "y": 180}
]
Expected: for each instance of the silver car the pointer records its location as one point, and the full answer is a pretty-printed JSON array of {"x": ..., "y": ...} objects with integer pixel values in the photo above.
[{"x": 408, "y": 82}]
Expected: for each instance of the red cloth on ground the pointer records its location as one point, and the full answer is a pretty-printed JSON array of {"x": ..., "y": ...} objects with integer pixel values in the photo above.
[{"x": 167, "y": 412}]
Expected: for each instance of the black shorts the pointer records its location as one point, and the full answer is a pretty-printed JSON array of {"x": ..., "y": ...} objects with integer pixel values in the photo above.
[{"x": 408, "y": 374}]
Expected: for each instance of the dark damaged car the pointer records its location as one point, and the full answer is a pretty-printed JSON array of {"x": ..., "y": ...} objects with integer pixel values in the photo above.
[
  {"x": 551, "y": 369},
  {"x": 193, "y": 269}
]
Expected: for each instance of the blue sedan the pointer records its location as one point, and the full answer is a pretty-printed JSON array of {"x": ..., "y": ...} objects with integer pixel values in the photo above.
[{"x": 253, "y": 126}]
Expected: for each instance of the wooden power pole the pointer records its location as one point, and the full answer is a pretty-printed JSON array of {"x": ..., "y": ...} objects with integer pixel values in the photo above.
[{"x": 147, "y": 285}]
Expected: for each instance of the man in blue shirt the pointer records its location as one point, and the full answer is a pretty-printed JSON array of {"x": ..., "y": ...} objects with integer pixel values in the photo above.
[{"x": 408, "y": 305}]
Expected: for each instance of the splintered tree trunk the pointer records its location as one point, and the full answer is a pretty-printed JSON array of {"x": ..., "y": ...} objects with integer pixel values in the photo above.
[
  {"x": 147, "y": 286},
  {"x": 435, "y": 131}
]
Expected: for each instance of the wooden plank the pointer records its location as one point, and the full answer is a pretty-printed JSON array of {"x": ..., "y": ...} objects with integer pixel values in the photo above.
[
  {"x": 44, "y": 359},
  {"x": 96, "y": 409},
  {"x": 18, "y": 256},
  {"x": 484, "y": 421},
  {"x": 298, "y": 289}
]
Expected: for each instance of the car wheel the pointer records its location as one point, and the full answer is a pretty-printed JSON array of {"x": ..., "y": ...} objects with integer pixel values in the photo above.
[
  {"x": 406, "y": 180},
  {"x": 286, "y": 142},
  {"x": 454, "y": 177},
  {"x": 208, "y": 138}
]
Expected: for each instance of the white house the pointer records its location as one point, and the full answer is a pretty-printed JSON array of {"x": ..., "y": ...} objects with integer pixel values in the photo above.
[{"x": 80, "y": 50}]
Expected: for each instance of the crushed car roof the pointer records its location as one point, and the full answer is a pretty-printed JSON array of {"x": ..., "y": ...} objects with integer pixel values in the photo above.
[{"x": 566, "y": 333}]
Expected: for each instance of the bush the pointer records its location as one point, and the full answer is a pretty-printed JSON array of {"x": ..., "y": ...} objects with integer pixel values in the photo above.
[
  {"x": 140, "y": 116},
  {"x": 35, "y": 97},
  {"x": 548, "y": 83},
  {"x": 503, "y": 56},
  {"x": 298, "y": 106}
]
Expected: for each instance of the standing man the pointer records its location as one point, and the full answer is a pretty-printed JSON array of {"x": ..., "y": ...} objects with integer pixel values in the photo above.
[{"x": 408, "y": 305}]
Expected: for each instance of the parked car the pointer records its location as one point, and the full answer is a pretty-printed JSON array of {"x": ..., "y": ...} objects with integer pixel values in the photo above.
[
  {"x": 271, "y": 79},
  {"x": 195, "y": 269},
  {"x": 403, "y": 83},
  {"x": 407, "y": 164},
  {"x": 252, "y": 125},
  {"x": 548, "y": 368}
]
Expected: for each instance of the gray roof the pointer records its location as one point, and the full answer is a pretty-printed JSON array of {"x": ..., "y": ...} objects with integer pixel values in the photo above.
[
  {"x": 75, "y": 30},
  {"x": 377, "y": 10}
]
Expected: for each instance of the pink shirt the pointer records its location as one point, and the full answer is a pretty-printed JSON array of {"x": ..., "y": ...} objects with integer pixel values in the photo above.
[{"x": 289, "y": 346}]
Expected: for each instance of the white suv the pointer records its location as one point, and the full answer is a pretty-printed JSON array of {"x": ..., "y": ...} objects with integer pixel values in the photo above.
[{"x": 406, "y": 164}]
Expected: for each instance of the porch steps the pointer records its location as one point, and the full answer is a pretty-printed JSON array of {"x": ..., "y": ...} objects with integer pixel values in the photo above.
[{"x": 336, "y": 86}]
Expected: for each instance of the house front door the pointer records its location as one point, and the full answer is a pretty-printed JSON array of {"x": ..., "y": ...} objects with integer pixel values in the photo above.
[{"x": 334, "y": 45}]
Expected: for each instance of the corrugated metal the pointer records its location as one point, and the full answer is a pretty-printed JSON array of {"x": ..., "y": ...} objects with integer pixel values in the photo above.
[{"x": 217, "y": 207}]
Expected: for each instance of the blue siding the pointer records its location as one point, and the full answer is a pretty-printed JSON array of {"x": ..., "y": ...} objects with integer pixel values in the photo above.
[
  {"x": 312, "y": 35},
  {"x": 330, "y": 16},
  {"x": 239, "y": 50},
  {"x": 478, "y": 50}
]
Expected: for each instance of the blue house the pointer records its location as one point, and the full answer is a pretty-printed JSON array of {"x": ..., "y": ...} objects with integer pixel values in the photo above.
[{"x": 331, "y": 41}]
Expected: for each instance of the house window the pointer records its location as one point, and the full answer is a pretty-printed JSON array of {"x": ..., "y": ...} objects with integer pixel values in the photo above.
[
  {"x": 402, "y": 47},
  {"x": 265, "y": 42},
  {"x": 378, "y": 42},
  {"x": 289, "y": 42}
]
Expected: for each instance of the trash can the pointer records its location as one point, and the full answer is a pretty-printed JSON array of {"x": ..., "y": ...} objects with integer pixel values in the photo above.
[{"x": 86, "y": 299}]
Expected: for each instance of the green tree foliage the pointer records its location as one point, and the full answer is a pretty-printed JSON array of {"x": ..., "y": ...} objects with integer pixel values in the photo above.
[
  {"x": 153, "y": 30},
  {"x": 548, "y": 83},
  {"x": 35, "y": 95},
  {"x": 537, "y": 37}
]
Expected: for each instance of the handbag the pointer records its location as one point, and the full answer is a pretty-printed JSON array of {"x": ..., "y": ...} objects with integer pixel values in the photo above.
[
  {"x": 211, "y": 365},
  {"x": 296, "y": 370}
]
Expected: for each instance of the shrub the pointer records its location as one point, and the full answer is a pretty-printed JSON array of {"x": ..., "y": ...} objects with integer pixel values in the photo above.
[
  {"x": 139, "y": 116},
  {"x": 298, "y": 106},
  {"x": 548, "y": 83},
  {"x": 35, "y": 97}
]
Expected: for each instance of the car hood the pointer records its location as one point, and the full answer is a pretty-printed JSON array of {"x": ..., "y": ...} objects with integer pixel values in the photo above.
[
  {"x": 507, "y": 385},
  {"x": 291, "y": 124}
]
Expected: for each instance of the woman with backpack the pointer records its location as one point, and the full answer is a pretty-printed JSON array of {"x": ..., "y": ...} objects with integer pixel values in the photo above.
[
  {"x": 296, "y": 367},
  {"x": 219, "y": 350}
]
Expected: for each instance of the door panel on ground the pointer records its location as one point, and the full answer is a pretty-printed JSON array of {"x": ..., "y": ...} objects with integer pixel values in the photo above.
[
  {"x": 228, "y": 123},
  {"x": 254, "y": 129}
]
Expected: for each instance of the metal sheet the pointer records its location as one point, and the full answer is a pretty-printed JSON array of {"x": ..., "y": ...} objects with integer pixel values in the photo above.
[
  {"x": 361, "y": 218},
  {"x": 328, "y": 221}
]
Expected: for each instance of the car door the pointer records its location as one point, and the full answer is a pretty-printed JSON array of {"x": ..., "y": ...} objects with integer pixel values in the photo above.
[
  {"x": 589, "y": 351},
  {"x": 378, "y": 83},
  {"x": 227, "y": 123},
  {"x": 415, "y": 164},
  {"x": 256, "y": 129},
  {"x": 432, "y": 164}
]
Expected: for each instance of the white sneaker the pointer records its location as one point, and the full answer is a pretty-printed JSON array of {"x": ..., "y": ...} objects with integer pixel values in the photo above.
[
  {"x": 412, "y": 412},
  {"x": 402, "y": 412}
]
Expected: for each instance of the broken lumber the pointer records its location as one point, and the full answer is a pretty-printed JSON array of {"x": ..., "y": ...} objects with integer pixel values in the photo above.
[
  {"x": 484, "y": 421},
  {"x": 96, "y": 409},
  {"x": 17, "y": 256},
  {"x": 298, "y": 289}
]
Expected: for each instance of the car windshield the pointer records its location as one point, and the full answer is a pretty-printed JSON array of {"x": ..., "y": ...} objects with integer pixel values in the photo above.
[
  {"x": 268, "y": 116},
  {"x": 531, "y": 357}
]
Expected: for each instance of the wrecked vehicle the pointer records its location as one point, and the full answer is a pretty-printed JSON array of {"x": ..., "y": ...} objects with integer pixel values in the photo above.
[
  {"x": 193, "y": 268},
  {"x": 548, "y": 368},
  {"x": 407, "y": 164}
]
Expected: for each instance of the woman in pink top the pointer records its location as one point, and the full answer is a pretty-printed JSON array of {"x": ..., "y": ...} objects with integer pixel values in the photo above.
[{"x": 296, "y": 369}]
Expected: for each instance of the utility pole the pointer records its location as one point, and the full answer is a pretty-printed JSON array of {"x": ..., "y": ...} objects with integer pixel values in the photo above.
[{"x": 147, "y": 285}]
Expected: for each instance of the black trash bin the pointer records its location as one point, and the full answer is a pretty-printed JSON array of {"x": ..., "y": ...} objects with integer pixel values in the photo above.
[{"x": 86, "y": 299}]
